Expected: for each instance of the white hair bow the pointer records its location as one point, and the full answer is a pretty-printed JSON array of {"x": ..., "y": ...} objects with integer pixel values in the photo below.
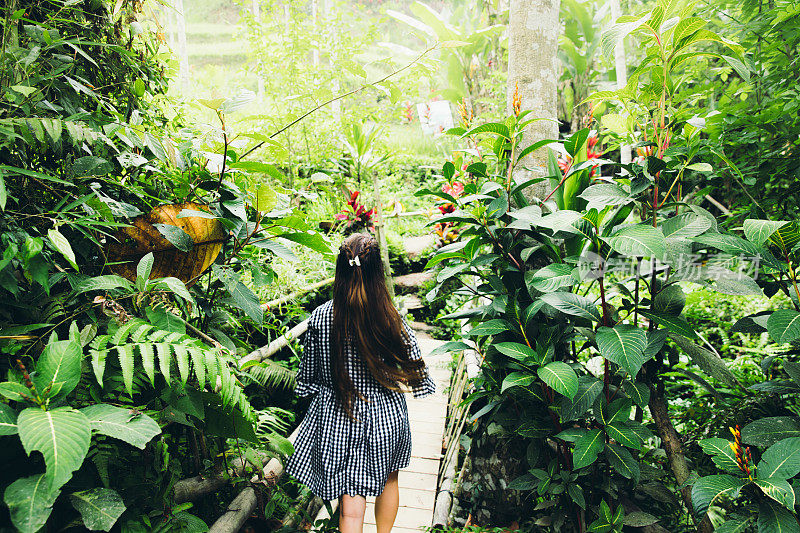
[{"x": 355, "y": 261}]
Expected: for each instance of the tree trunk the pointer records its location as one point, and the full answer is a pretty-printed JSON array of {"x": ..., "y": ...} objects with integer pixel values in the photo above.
[
  {"x": 671, "y": 441},
  {"x": 533, "y": 71}
]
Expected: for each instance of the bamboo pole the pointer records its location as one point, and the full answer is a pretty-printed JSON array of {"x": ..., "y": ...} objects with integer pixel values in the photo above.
[
  {"x": 190, "y": 489},
  {"x": 276, "y": 345}
]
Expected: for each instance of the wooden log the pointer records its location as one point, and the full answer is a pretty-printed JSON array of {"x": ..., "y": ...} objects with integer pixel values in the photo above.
[
  {"x": 245, "y": 503},
  {"x": 237, "y": 513},
  {"x": 276, "y": 345},
  {"x": 190, "y": 489}
]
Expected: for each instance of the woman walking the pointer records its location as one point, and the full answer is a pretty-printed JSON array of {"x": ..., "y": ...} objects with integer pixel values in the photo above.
[{"x": 359, "y": 356}]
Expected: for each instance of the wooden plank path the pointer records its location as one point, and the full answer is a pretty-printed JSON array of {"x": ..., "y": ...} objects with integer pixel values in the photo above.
[{"x": 427, "y": 419}]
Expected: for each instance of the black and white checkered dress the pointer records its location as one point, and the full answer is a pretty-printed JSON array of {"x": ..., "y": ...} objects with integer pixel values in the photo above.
[{"x": 335, "y": 454}]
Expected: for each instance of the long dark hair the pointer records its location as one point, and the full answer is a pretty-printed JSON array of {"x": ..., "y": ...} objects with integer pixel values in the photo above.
[{"x": 363, "y": 315}]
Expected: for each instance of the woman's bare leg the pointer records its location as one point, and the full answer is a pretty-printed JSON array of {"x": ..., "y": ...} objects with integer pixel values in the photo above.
[
  {"x": 351, "y": 513},
  {"x": 386, "y": 504}
]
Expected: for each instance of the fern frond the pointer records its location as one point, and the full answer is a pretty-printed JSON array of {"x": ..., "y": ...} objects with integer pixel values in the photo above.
[
  {"x": 209, "y": 366},
  {"x": 273, "y": 421},
  {"x": 271, "y": 374}
]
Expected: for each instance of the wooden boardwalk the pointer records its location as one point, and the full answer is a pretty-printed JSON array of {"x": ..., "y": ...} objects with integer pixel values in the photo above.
[{"x": 427, "y": 418}]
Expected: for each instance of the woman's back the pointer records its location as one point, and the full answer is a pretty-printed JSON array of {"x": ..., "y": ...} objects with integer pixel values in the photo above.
[
  {"x": 358, "y": 356},
  {"x": 318, "y": 340}
]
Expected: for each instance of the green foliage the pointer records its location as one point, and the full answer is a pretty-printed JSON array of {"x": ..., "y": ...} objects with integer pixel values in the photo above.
[
  {"x": 108, "y": 422},
  {"x": 466, "y": 41},
  {"x": 560, "y": 295}
]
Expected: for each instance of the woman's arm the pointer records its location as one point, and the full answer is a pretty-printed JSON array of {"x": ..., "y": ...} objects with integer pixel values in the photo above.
[
  {"x": 308, "y": 381},
  {"x": 425, "y": 387}
]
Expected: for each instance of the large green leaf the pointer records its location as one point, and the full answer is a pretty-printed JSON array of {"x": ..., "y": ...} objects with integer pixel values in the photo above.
[
  {"x": 102, "y": 283},
  {"x": 706, "y": 490},
  {"x": 452, "y": 346},
  {"x": 767, "y": 431},
  {"x": 624, "y": 435},
  {"x": 781, "y": 460},
  {"x": 674, "y": 324},
  {"x": 638, "y": 392},
  {"x": 602, "y": 194},
  {"x": 759, "y": 231},
  {"x": 793, "y": 369},
  {"x": 589, "y": 388},
  {"x": 176, "y": 236},
  {"x": 617, "y": 33},
  {"x": 778, "y": 489},
  {"x": 587, "y": 447},
  {"x": 515, "y": 350},
  {"x": 61, "y": 244},
  {"x": 640, "y": 240},
  {"x": 517, "y": 379},
  {"x": 622, "y": 461},
  {"x": 62, "y": 436},
  {"x": 30, "y": 502},
  {"x": 241, "y": 294},
  {"x": 550, "y": 278},
  {"x": 59, "y": 367},
  {"x": 786, "y": 238},
  {"x": 312, "y": 240},
  {"x": 655, "y": 341},
  {"x": 490, "y": 127},
  {"x": 738, "y": 246},
  {"x": 8, "y": 420},
  {"x": 618, "y": 410},
  {"x": 734, "y": 524},
  {"x": 721, "y": 453},
  {"x": 560, "y": 377},
  {"x": 572, "y": 304},
  {"x": 683, "y": 226},
  {"x": 669, "y": 300},
  {"x": 774, "y": 518},
  {"x": 15, "y": 391},
  {"x": 711, "y": 363},
  {"x": 133, "y": 427},
  {"x": 490, "y": 327},
  {"x": 576, "y": 141},
  {"x": 624, "y": 345},
  {"x": 100, "y": 508},
  {"x": 783, "y": 325}
]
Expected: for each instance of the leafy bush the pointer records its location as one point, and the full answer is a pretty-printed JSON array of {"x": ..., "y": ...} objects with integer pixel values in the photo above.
[{"x": 579, "y": 293}]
